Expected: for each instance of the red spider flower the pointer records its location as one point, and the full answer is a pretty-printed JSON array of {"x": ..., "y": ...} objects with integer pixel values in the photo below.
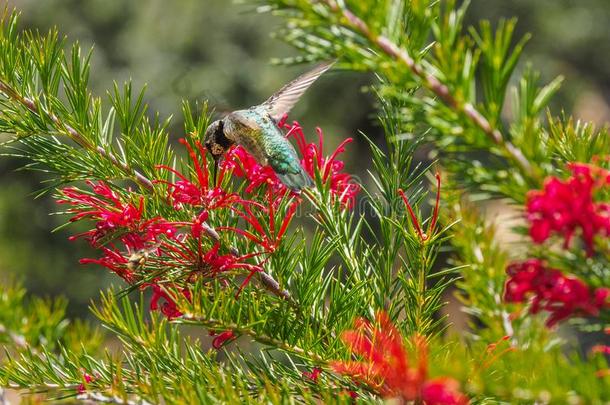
[
  {"x": 206, "y": 265},
  {"x": 386, "y": 365},
  {"x": 563, "y": 207},
  {"x": 552, "y": 291},
  {"x": 342, "y": 184},
  {"x": 432, "y": 226},
  {"x": 314, "y": 374},
  {"x": 87, "y": 379},
  {"x": 197, "y": 192},
  {"x": 244, "y": 165},
  {"x": 168, "y": 307},
  {"x": 216, "y": 264},
  {"x": 222, "y": 338},
  {"x": 115, "y": 262},
  {"x": 113, "y": 216},
  {"x": 265, "y": 233}
]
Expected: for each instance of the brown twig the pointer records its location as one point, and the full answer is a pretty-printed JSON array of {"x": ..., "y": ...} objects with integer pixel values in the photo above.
[
  {"x": 76, "y": 136},
  {"x": 433, "y": 84},
  {"x": 272, "y": 285}
]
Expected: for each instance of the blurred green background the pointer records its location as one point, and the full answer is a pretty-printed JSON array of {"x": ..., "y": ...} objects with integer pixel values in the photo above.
[{"x": 217, "y": 50}]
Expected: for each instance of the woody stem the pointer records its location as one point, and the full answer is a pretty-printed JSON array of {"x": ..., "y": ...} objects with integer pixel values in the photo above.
[
  {"x": 433, "y": 84},
  {"x": 74, "y": 135}
]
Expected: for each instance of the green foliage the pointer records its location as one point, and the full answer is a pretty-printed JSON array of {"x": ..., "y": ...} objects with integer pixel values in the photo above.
[
  {"x": 38, "y": 323},
  {"x": 307, "y": 287},
  {"x": 157, "y": 362}
]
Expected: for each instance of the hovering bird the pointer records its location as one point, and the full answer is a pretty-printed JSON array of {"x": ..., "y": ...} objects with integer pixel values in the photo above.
[{"x": 256, "y": 130}]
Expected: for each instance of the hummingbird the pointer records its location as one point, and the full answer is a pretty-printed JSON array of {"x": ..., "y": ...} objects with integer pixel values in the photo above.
[{"x": 256, "y": 130}]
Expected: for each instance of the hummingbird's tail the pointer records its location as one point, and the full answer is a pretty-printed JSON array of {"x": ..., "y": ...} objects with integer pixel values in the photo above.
[{"x": 296, "y": 181}]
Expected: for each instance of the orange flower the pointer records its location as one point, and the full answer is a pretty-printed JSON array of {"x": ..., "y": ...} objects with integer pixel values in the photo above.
[{"x": 386, "y": 367}]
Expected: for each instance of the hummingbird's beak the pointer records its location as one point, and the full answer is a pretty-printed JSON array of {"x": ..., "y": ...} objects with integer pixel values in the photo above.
[{"x": 215, "y": 171}]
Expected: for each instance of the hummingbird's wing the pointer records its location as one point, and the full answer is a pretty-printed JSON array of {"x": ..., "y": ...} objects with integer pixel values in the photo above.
[{"x": 282, "y": 102}]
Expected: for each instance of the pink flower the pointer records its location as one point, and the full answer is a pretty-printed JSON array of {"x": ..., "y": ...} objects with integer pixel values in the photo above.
[
  {"x": 551, "y": 291},
  {"x": 444, "y": 391},
  {"x": 563, "y": 207},
  {"x": 386, "y": 367}
]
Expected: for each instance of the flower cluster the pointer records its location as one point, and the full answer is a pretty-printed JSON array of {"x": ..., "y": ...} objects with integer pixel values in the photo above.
[
  {"x": 342, "y": 185},
  {"x": 551, "y": 291},
  {"x": 111, "y": 214},
  {"x": 129, "y": 241},
  {"x": 116, "y": 220},
  {"x": 198, "y": 192},
  {"x": 145, "y": 250},
  {"x": 386, "y": 367},
  {"x": 564, "y": 207}
]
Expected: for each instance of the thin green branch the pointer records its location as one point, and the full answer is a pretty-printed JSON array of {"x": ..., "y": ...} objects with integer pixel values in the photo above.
[
  {"x": 264, "y": 339},
  {"x": 43, "y": 387},
  {"x": 101, "y": 398}
]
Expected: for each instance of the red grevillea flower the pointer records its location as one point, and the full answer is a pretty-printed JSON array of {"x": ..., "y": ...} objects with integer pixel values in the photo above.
[
  {"x": 198, "y": 191},
  {"x": 87, "y": 378},
  {"x": 432, "y": 226},
  {"x": 386, "y": 366},
  {"x": 552, "y": 291},
  {"x": 313, "y": 375},
  {"x": 563, "y": 207},
  {"x": 264, "y": 232},
  {"x": 222, "y": 338},
  {"x": 244, "y": 165},
  {"x": 342, "y": 185},
  {"x": 115, "y": 262},
  {"x": 168, "y": 307},
  {"x": 113, "y": 216}
]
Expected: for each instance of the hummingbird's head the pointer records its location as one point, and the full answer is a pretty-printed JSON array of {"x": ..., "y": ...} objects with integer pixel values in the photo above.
[{"x": 216, "y": 142}]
